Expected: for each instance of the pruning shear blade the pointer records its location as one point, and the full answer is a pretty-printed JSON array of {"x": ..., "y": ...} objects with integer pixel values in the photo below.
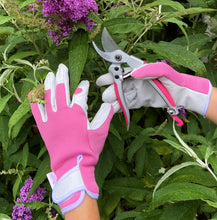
[{"x": 107, "y": 42}]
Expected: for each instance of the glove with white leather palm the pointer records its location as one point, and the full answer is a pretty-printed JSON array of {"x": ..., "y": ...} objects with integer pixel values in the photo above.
[
  {"x": 74, "y": 144},
  {"x": 188, "y": 91}
]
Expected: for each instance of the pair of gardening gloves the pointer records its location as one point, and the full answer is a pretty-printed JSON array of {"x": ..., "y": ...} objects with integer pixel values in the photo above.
[{"x": 74, "y": 143}]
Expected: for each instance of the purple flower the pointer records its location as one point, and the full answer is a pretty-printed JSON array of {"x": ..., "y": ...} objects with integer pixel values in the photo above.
[
  {"x": 182, "y": 112},
  {"x": 21, "y": 212},
  {"x": 37, "y": 195},
  {"x": 31, "y": 8},
  {"x": 164, "y": 61},
  {"x": 64, "y": 14}
]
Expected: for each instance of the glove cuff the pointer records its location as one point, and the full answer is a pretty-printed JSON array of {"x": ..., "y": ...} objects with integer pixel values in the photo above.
[{"x": 69, "y": 191}]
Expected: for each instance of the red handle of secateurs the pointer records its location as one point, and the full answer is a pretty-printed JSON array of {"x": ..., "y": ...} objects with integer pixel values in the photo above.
[{"x": 169, "y": 98}]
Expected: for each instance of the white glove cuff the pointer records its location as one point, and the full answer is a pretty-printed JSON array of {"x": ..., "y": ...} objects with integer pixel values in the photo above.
[{"x": 70, "y": 183}]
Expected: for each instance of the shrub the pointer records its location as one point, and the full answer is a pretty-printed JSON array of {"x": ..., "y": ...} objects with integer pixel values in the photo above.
[{"x": 143, "y": 173}]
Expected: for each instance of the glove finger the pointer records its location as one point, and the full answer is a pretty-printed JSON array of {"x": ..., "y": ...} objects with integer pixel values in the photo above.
[
  {"x": 99, "y": 127},
  {"x": 80, "y": 95},
  {"x": 62, "y": 87},
  {"x": 116, "y": 106},
  {"x": 105, "y": 112},
  {"x": 38, "y": 111},
  {"x": 105, "y": 79},
  {"x": 153, "y": 70},
  {"x": 109, "y": 95},
  {"x": 50, "y": 88}
]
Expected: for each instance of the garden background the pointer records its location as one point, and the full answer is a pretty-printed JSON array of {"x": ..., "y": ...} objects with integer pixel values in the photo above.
[{"x": 143, "y": 173}]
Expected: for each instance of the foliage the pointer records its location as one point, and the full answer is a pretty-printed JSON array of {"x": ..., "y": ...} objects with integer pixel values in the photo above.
[{"x": 143, "y": 173}]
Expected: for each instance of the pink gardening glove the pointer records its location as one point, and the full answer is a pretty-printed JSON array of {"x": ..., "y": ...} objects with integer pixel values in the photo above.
[
  {"x": 74, "y": 144},
  {"x": 191, "y": 92}
]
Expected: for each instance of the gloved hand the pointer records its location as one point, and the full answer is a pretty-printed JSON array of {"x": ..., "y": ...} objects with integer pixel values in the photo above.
[
  {"x": 191, "y": 92},
  {"x": 74, "y": 144}
]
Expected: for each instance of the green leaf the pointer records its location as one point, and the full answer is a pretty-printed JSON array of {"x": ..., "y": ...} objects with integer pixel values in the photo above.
[
  {"x": 3, "y": 101},
  {"x": 4, "y": 132},
  {"x": 109, "y": 203},
  {"x": 30, "y": 81},
  {"x": 198, "y": 3},
  {"x": 21, "y": 55},
  {"x": 6, "y": 207},
  {"x": 161, "y": 147},
  {"x": 209, "y": 152},
  {"x": 196, "y": 41},
  {"x": 78, "y": 50},
  {"x": 4, "y": 76},
  {"x": 126, "y": 215},
  {"x": 198, "y": 10},
  {"x": 117, "y": 146},
  {"x": 117, "y": 11},
  {"x": 21, "y": 111},
  {"x": 40, "y": 176},
  {"x": 212, "y": 161},
  {"x": 153, "y": 162},
  {"x": 4, "y": 217},
  {"x": 194, "y": 175},
  {"x": 25, "y": 62},
  {"x": 18, "y": 126},
  {"x": 36, "y": 205},
  {"x": 189, "y": 11},
  {"x": 12, "y": 42},
  {"x": 181, "y": 211},
  {"x": 127, "y": 187},
  {"x": 25, "y": 155},
  {"x": 174, "y": 4},
  {"x": 104, "y": 165},
  {"x": 138, "y": 142},
  {"x": 179, "y": 55},
  {"x": 94, "y": 17},
  {"x": 44, "y": 68},
  {"x": 150, "y": 215},
  {"x": 115, "y": 132},
  {"x": 176, "y": 21},
  {"x": 41, "y": 152},
  {"x": 4, "y": 19},
  {"x": 139, "y": 161},
  {"x": 183, "y": 192},
  {"x": 171, "y": 171},
  {"x": 16, "y": 186},
  {"x": 25, "y": 3},
  {"x": 211, "y": 203},
  {"x": 6, "y": 30},
  {"x": 123, "y": 25}
]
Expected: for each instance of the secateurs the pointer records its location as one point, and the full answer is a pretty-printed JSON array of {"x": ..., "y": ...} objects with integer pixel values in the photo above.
[{"x": 116, "y": 56}]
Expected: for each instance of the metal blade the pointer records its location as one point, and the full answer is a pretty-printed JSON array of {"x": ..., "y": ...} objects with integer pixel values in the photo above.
[
  {"x": 116, "y": 56},
  {"x": 104, "y": 55},
  {"x": 107, "y": 42}
]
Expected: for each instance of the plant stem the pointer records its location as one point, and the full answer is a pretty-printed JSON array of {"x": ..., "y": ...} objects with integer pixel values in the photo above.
[
  {"x": 145, "y": 29},
  {"x": 191, "y": 153},
  {"x": 214, "y": 46},
  {"x": 212, "y": 173},
  {"x": 140, "y": 4},
  {"x": 195, "y": 21},
  {"x": 13, "y": 93}
]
